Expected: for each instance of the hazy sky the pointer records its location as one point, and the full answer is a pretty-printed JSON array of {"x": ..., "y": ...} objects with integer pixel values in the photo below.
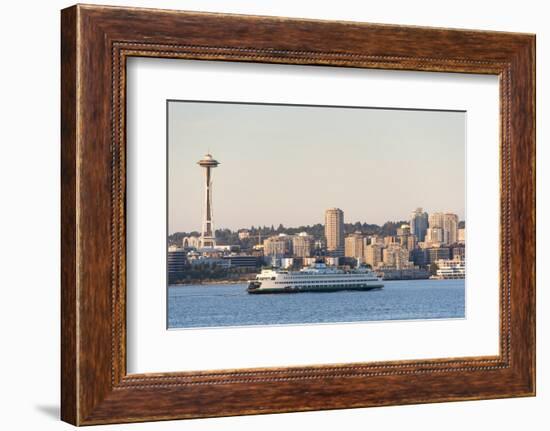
[{"x": 287, "y": 164}]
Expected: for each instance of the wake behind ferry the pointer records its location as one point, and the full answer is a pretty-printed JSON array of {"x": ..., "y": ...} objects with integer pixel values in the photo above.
[{"x": 316, "y": 278}]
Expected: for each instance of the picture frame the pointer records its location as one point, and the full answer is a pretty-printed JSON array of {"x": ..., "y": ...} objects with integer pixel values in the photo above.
[{"x": 96, "y": 42}]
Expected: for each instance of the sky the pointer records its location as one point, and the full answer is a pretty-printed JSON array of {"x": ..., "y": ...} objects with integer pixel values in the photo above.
[{"x": 287, "y": 164}]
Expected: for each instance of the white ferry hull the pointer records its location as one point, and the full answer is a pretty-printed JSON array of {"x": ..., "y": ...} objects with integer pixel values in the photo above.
[{"x": 297, "y": 289}]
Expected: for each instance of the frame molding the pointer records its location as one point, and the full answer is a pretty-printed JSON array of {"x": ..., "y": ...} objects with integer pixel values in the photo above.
[{"x": 96, "y": 41}]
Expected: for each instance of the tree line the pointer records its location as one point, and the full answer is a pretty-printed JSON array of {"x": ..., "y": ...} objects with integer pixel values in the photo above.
[{"x": 317, "y": 231}]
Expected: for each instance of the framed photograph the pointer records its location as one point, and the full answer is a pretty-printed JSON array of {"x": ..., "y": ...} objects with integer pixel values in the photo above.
[{"x": 264, "y": 214}]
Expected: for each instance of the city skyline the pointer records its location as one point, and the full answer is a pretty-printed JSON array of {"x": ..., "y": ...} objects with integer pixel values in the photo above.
[
  {"x": 350, "y": 157},
  {"x": 393, "y": 251}
]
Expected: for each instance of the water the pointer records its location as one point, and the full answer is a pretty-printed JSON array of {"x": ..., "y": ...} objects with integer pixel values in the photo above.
[{"x": 230, "y": 304}]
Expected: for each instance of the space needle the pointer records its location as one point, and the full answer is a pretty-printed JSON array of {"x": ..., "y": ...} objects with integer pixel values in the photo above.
[{"x": 207, "y": 238}]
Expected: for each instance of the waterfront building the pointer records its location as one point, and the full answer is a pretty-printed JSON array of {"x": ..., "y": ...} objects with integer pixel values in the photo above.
[
  {"x": 373, "y": 254},
  {"x": 354, "y": 245},
  {"x": 243, "y": 261},
  {"x": 458, "y": 252},
  {"x": 420, "y": 257},
  {"x": 177, "y": 259},
  {"x": 302, "y": 245},
  {"x": 278, "y": 245},
  {"x": 438, "y": 253},
  {"x": 210, "y": 261},
  {"x": 396, "y": 257},
  {"x": 419, "y": 223},
  {"x": 403, "y": 274},
  {"x": 208, "y": 238},
  {"x": 334, "y": 231}
]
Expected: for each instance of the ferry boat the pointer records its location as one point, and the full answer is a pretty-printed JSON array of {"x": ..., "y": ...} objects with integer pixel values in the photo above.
[
  {"x": 316, "y": 278},
  {"x": 454, "y": 269}
]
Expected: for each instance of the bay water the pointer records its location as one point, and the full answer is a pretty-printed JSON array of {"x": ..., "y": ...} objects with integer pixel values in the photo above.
[{"x": 225, "y": 305}]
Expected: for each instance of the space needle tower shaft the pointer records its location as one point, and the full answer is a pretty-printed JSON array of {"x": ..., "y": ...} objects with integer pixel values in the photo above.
[{"x": 208, "y": 238}]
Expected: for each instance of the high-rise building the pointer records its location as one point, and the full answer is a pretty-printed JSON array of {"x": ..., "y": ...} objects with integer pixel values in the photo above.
[
  {"x": 411, "y": 242},
  {"x": 420, "y": 257},
  {"x": 405, "y": 238},
  {"x": 353, "y": 245},
  {"x": 278, "y": 245},
  {"x": 373, "y": 254},
  {"x": 419, "y": 223},
  {"x": 390, "y": 239},
  {"x": 435, "y": 220},
  {"x": 302, "y": 245},
  {"x": 334, "y": 231},
  {"x": 434, "y": 235},
  {"x": 208, "y": 238},
  {"x": 375, "y": 239},
  {"x": 450, "y": 228},
  {"x": 404, "y": 230},
  {"x": 448, "y": 223}
]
